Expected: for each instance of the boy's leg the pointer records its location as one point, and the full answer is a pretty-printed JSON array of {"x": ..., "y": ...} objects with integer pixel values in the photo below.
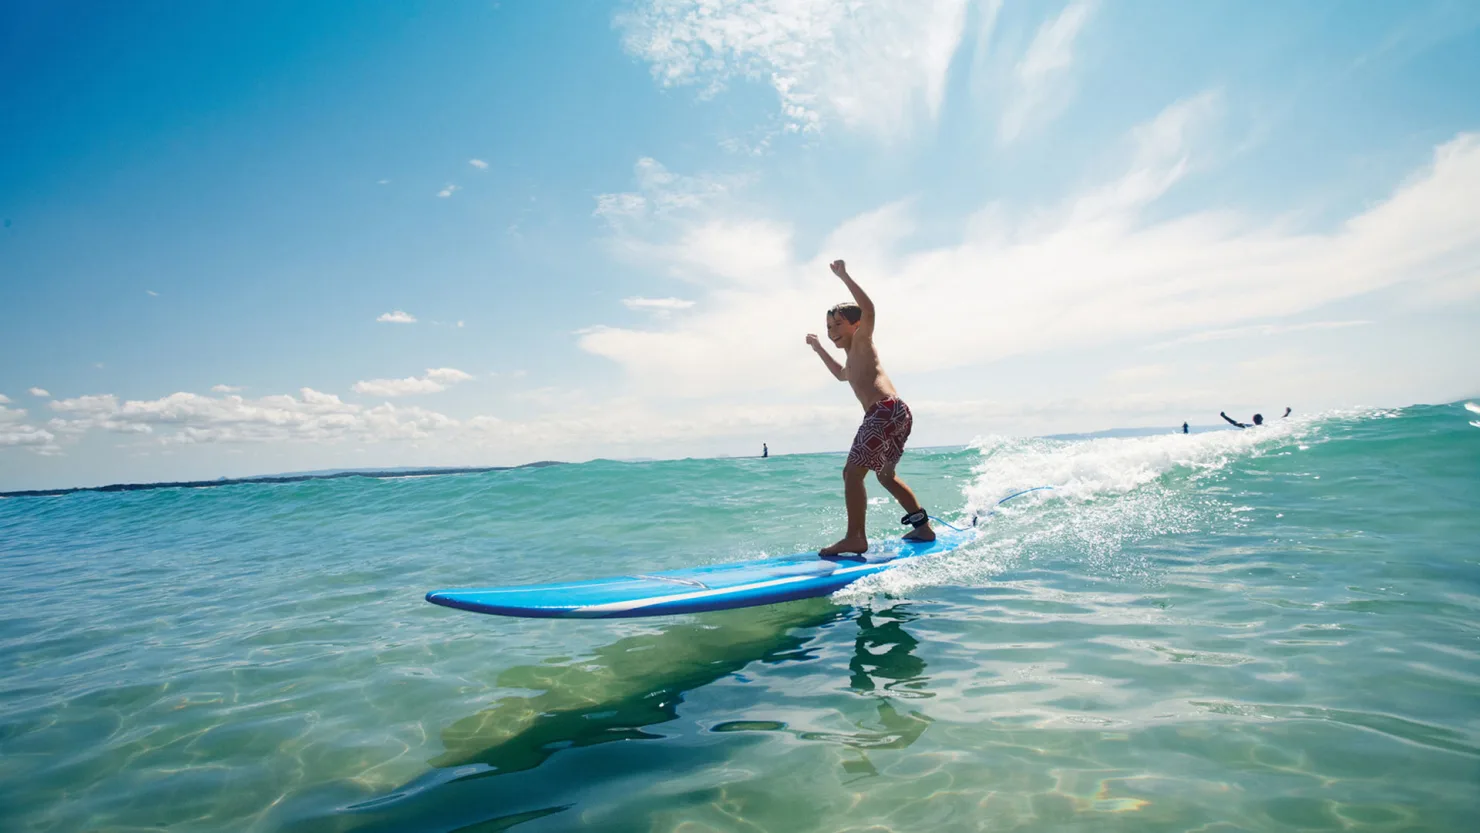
[
  {"x": 855, "y": 497},
  {"x": 911, "y": 504}
]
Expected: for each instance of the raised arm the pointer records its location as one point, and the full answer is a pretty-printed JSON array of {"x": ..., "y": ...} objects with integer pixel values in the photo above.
[
  {"x": 866, "y": 323},
  {"x": 1287, "y": 412},
  {"x": 1231, "y": 420},
  {"x": 832, "y": 364}
]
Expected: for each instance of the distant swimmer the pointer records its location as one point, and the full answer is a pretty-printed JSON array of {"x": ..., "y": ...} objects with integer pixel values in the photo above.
[
  {"x": 1184, "y": 426},
  {"x": 1258, "y": 419},
  {"x": 765, "y": 451}
]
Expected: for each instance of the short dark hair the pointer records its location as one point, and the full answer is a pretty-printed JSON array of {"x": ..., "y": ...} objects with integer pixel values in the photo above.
[{"x": 849, "y": 310}]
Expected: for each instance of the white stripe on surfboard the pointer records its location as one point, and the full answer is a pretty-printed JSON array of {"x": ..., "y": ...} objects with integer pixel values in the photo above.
[{"x": 632, "y": 604}]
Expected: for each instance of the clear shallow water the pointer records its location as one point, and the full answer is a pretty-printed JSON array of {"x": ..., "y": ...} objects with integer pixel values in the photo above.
[{"x": 1265, "y": 630}]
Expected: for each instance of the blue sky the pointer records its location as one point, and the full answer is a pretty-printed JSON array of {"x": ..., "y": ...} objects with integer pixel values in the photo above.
[{"x": 609, "y": 222}]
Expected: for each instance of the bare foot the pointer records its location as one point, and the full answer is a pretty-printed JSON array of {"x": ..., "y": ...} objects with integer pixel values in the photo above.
[
  {"x": 923, "y": 534},
  {"x": 847, "y": 546}
]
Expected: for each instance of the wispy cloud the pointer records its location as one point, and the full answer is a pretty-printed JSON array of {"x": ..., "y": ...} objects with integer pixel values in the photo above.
[
  {"x": 397, "y": 317},
  {"x": 382, "y": 182},
  {"x": 1255, "y": 331},
  {"x": 660, "y": 305},
  {"x": 448, "y": 191},
  {"x": 152, "y": 293},
  {"x": 479, "y": 164},
  {"x": 1042, "y": 84},
  {"x": 661, "y": 192},
  {"x": 871, "y": 66},
  {"x": 1093, "y": 270},
  {"x": 38, "y": 392},
  {"x": 436, "y": 380},
  {"x": 227, "y": 388},
  {"x": 688, "y": 226}
]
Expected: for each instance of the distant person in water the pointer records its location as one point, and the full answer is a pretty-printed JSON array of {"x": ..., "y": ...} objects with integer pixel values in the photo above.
[
  {"x": 1258, "y": 419},
  {"x": 1184, "y": 428},
  {"x": 765, "y": 450},
  {"x": 886, "y": 426}
]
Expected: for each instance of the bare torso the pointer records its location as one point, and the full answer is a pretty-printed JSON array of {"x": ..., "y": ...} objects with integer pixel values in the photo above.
[{"x": 867, "y": 377}]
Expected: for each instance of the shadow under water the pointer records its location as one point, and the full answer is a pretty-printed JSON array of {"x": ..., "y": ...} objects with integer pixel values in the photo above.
[{"x": 622, "y": 692}]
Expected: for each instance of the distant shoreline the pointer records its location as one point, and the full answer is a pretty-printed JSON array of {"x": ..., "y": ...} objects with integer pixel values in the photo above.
[
  {"x": 390, "y": 473},
  {"x": 378, "y": 474}
]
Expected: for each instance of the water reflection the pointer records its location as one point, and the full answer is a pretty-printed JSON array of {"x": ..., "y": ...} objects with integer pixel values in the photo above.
[
  {"x": 884, "y": 664},
  {"x": 627, "y": 691},
  {"x": 884, "y": 654},
  {"x": 622, "y": 692}
]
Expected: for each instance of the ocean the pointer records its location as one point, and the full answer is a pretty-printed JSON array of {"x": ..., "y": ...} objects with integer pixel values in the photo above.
[{"x": 1270, "y": 629}]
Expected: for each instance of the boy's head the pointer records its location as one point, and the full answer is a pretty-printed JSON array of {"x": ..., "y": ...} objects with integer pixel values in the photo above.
[
  {"x": 842, "y": 320},
  {"x": 1258, "y": 419}
]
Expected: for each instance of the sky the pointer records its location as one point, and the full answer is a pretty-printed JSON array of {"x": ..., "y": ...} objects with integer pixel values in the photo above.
[{"x": 252, "y": 238}]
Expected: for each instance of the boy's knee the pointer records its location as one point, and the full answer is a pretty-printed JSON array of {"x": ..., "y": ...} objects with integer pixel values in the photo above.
[
  {"x": 885, "y": 477},
  {"x": 853, "y": 472}
]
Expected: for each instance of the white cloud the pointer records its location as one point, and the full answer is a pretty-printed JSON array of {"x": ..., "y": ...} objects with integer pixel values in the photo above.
[
  {"x": 397, "y": 317},
  {"x": 383, "y": 182},
  {"x": 1255, "y": 331},
  {"x": 436, "y": 380},
  {"x": 152, "y": 293},
  {"x": 28, "y": 436},
  {"x": 869, "y": 65},
  {"x": 39, "y": 392},
  {"x": 4, "y": 399},
  {"x": 16, "y": 433},
  {"x": 448, "y": 375},
  {"x": 448, "y": 191},
  {"x": 1091, "y": 271},
  {"x": 657, "y": 305},
  {"x": 227, "y": 389},
  {"x": 479, "y": 164},
  {"x": 193, "y": 418},
  {"x": 1041, "y": 80}
]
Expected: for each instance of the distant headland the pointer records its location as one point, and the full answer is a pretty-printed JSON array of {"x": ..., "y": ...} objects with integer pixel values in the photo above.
[{"x": 379, "y": 474}]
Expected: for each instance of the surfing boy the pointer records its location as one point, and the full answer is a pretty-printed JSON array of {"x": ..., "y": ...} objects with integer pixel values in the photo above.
[{"x": 886, "y": 420}]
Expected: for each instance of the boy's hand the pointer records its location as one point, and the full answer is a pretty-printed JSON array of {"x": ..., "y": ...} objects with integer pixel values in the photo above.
[
  {"x": 839, "y": 269},
  {"x": 812, "y": 340}
]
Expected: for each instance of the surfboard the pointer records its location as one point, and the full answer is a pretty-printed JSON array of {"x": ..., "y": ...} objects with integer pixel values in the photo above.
[
  {"x": 716, "y": 587},
  {"x": 697, "y": 589}
]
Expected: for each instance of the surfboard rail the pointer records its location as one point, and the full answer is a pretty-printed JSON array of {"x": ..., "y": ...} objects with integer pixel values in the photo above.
[{"x": 695, "y": 590}]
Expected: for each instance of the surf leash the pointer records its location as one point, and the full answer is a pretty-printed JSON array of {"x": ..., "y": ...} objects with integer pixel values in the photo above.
[{"x": 975, "y": 518}]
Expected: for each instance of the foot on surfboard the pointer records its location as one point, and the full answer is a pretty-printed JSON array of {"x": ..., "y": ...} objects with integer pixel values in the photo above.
[
  {"x": 846, "y": 547},
  {"x": 921, "y": 535}
]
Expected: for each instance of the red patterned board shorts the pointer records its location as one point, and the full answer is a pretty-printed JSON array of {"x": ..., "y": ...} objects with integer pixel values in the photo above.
[{"x": 880, "y": 440}]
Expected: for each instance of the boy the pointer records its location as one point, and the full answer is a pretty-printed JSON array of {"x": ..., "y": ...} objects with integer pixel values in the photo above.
[{"x": 886, "y": 420}]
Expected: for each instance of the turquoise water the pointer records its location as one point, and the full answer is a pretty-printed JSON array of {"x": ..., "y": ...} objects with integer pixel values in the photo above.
[{"x": 1256, "y": 630}]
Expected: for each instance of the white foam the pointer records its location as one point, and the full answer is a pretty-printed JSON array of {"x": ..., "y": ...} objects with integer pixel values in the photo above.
[
  {"x": 1108, "y": 493},
  {"x": 1089, "y": 469}
]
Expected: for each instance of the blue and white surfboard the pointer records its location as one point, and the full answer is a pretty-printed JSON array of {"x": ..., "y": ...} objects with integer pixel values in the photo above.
[{"x": 717, "y": 587}]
